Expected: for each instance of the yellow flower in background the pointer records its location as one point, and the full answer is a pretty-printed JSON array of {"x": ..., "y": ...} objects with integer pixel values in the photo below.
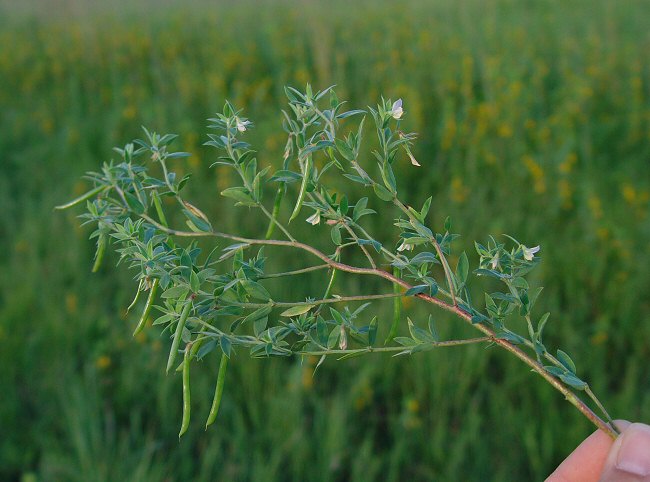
[{"x": 103, "y": 362}]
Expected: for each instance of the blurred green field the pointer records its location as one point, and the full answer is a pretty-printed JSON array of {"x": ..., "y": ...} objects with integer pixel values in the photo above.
[{"x": 534, "y": 119}]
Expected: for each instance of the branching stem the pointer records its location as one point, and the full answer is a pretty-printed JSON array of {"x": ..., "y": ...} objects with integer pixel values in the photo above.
[{"x": 506, "y": 345}]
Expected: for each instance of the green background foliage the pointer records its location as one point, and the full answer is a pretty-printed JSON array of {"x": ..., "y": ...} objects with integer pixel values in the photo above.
[{"x": 533, "y": 118}]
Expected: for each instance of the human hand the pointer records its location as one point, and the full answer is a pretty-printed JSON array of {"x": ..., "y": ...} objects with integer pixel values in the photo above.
[{"x": 601, "y": 459}]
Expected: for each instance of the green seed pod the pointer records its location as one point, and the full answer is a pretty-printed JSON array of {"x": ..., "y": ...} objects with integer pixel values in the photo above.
[
  {"x": 147, "y": 308},
  {"x": 218, "y": 391},
  {"x": 186, "y": 391},
  {"x": 102, "y": 241},
  {"x": 177, "y": 334}
]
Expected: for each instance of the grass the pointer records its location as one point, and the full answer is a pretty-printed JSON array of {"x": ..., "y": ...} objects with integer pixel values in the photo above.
[{"x": 534, "y": 119}]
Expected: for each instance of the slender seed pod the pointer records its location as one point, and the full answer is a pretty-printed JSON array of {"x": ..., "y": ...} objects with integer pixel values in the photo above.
[
  {"x": 218, "y": 391},
  {"x": 177, "y": 335},
  {"x": 397, "y": 310},
  {"x": 276, "y": 209},
  {"x": 137, "y": 295},
  {"x": 83, "y": 197},
  {"x": 186, "y": 391},
  {"x": 330, "y": 285},
  {"x": 102, "y": 241},
  {"x": 159, "y": 209},
  {"x": 303, "y": 189},
  {"x": 147, "y": 308}
]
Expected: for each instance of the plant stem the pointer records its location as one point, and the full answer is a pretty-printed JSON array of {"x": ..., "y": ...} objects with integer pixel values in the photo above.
[
  {"x": 537, "y": 367},
  {"x": 338, "y": 299},
  {"x": 385, "y": 349},
  {"x": 295, "y": 272},
  {"x": 436, "y": 245}
]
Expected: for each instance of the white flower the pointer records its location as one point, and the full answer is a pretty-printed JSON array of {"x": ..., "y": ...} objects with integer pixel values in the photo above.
[
  {"x": 495, "y": 261},
  {"x": 242, "y": 125},
  {"x": 404, "y": 246},
  {"x": 314, "y": 219},
  {"x": 529, "y": 253},
  {"x": 396, "y": 111}
]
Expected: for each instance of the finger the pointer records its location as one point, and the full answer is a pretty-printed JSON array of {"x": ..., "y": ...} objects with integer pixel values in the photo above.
[
  {"x": 585, "y": 464},
  {"x": 629, "y": 457}
]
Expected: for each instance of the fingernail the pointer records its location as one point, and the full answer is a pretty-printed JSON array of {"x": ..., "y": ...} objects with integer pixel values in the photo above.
[{"x": 634, "y": 453}]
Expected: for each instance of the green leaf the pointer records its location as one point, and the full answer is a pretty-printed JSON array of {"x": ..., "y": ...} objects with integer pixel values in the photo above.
[
  {"x": 259, "y": 325},
  {"x": 541, "y": 324},
  {"x": 343, "y": 205},
  {"x": 285, "y": 176},
  {"x": 415, "y": 240},
  {"x": 432, "y": 329},
  {"x": 479, "y": 318},
  {"x": 297, "y": 310},
  {"x": 355, "y": 178},
  {"x": 389, "y": 177},
  {"x": 134, "y": 204},
  {"x": 424, "y": 257},
  {"x": 349, "y": 113},
  {"x": 405, "y": 341},
  {"x": 353, "y": 355},
  {"x": 206, "y": 348},
  {"x": 372, "y": 331},
  {"x": 425, "y": 208},
  {"x": 321, "y": 330},
  {"x": 447, "y": 224},
  {"x": 255, "y": 290},
  {"x": 555, "y": 371},
  {"x": 418, "y": 333},
  {"x": 462, "y": 269},
  {"x": 333, "y": 338},
  {"x": 416, "y": 290},
  {"x": 163, "y": 319},
  {"x": 382, "y": 193},
  {"x": 573, "y": 381},
  {"x": 258, "y": 314},
  {"x": 344, "y": 150},
  {"x": 520, "y": 282},
  {"x": 239, "y": 194},
  {"x": 200, "y": 224},
  {"x": 176, "y": 292},
  {"x": 195, "y": 284},
  {"x": 226, "y": 345},
  {"x": 510, "y": 336},
  {"x": 375, "y": 244},
  {"x": 359, "y": 207},
  {"x": 336, "y": 235},
  {"x": 566, "y": 361},
  {"x": 338, "y": 317}
]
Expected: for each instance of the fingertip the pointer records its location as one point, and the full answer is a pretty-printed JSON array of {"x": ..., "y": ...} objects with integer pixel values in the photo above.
[{"x": 586, "y": 462}]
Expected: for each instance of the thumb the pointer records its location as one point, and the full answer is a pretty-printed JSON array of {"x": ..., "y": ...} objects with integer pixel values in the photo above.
[{"x": 629, "y": 458}]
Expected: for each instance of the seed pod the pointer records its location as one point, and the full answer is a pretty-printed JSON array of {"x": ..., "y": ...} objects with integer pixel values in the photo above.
[
  {"x": 186, "y": 391},
  {"x": 147, "y": 307},
  {"x": 177, "y": 335},
  {"x": 218, "y": 391}
]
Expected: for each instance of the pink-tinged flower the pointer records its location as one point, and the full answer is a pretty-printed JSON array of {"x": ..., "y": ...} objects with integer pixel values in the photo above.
[
  {"x": 314, "y": 219},
  {"x": 495, "y": 261},
  {"x": 242, "y": 125},
  {"x": 529, "y": 253},
  {"x": 396, "y": 111},
  {"x": 343, "y": 339}
]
